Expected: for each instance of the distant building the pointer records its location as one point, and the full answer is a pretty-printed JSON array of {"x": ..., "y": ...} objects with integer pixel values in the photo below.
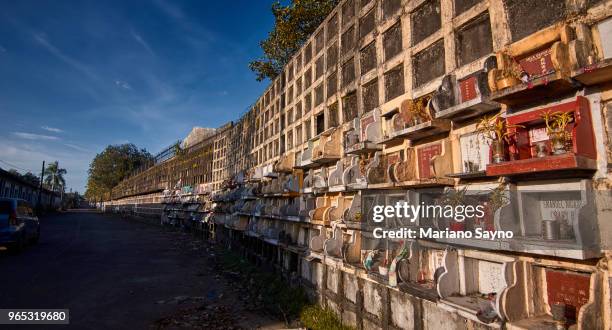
[
  {"x": 13, "y": 186},
  {"x": 197, "y": 134}
]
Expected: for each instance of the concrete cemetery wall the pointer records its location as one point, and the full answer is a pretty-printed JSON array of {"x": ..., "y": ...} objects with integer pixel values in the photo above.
[{"x": 384, "y": 103}]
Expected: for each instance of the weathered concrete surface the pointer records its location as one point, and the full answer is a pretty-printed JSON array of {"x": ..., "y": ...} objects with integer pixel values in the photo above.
[
  {"x": 437, "y": 318},
  {"x": 333, "y": 276},
  {"x": 372, "y": 300},
  {"x": 402, "y": 310},
  {"x": 351, "y": 287}
]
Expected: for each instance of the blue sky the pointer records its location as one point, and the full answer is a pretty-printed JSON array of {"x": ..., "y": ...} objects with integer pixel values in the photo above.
[{"x": 76, "y": 76}]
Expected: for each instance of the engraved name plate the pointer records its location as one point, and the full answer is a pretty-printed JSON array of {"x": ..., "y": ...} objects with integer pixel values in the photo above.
[
  {"x": 538, "y": 64},
  {"x": 538, "y": 135},
  {"x": 571, "y": 289},
  {"x": 425, "y": 155},
  {"x": 474, "y": 152},
  {"x": 559, "y": 209},
  {"x": 468, "y": 89}
]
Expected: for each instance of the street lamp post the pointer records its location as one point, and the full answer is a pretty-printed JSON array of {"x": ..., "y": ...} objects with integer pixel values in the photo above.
[{"x": 42, "y": 173}]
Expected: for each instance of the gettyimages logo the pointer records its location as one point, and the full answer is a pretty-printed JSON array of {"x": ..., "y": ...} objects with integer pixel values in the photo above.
[{"x": 412, "y": 212}]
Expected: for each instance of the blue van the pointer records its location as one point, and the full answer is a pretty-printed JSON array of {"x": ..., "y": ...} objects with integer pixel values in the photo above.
[{"x": 18, "y": 224}]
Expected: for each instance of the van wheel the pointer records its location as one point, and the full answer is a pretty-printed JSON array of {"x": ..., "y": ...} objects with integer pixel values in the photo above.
[
  {"x": 18, "y": 246},
  {"x": 36, "y": 238}
]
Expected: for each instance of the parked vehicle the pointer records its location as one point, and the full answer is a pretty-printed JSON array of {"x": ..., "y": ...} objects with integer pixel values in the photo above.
[{"x": 18, "y": 224}]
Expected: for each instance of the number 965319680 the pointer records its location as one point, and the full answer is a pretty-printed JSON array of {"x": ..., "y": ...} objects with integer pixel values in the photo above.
[
  {"x": 34, "y": 316},
  {"x": 37, "y": 316}
]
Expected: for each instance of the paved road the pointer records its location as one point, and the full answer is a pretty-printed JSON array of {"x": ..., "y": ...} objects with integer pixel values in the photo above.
[{"x": 110, "y": 273}]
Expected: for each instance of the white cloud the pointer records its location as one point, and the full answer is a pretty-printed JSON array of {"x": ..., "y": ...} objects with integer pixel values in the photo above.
[
  {"x": 170, "y": 10},
  {"x": 142, "y": 42},
  {"x": 42, "y": 40},
  {"x": 52, "y": 129},
  {"x": 76, "y": 147},
  {"x": 32, "y": 136},
  {"x": 123, "y": 84}
]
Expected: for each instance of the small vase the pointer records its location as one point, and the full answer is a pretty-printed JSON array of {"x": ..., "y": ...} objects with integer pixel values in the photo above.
[
  {"x": 550, "y": 230},
  {"x": 558, "y": 142},
  {"x": 497, "y": 148},
  {"x": 416, "y": 121}
]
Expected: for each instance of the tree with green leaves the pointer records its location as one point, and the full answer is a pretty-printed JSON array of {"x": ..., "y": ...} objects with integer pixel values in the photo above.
[
  {"x": 54, "y": 176},
  {"x": 30, "y": 177},
  {"x": 93, "y": 192},
  {"x": 293, "y": 25},
  {"x": 111, "y": 166}
]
